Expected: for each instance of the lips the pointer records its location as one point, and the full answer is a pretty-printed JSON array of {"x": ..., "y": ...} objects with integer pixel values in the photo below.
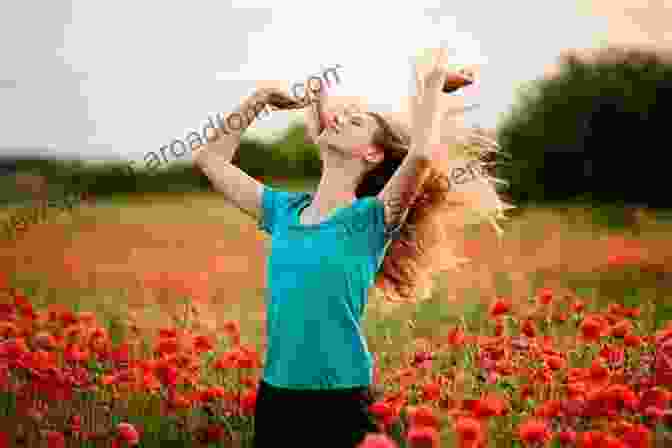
[{"x": 327, "y": 119}]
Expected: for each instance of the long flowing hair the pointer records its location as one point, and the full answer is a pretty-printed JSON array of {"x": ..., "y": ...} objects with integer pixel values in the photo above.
[{"x": 436, "y": 219}]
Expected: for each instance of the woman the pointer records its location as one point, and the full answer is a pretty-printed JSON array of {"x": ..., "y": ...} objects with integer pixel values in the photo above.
[{"x": 378, "y": 188}]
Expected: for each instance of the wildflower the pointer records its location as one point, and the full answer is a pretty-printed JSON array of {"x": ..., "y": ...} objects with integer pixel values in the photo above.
[
  {"x": 499, "y": 307},
  {"x": 567, "y": 437},
  {"x": 55, "y": 439},
  {"x": 631, "y": 340},
  {"x": 423, "y": 437},
  {"x": 248, "y": 402},
  {"x": 528, "y": 328},
  {"x": 578, "y": 306},
  {"x": 469, "y": 432},
  {"x": 431, "y": 391},
  {"x": 598, "y": 375},
  {"x": 377, "y": 441},
  {"x": 499, "y": 327},
  {"x": 422, "y": 416},
  {"x": 622, "y": 328},
  {"x": 128, "y": 434},
  {"x": 533, "y": 433},
  {"x": 593, "y": 328},
  {"x": 555, "y": 362},
  {"x": 545, "y": 296},
  {"x": 488, "y": 406},
  {"x": 638, "y": 436}
]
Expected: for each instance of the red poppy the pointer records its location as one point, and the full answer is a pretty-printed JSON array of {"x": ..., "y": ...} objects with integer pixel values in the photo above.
[
  {"x": 578, "y": 306},
  {"x": 545, "y": 296},
  {"x": 598, "y": 375},
  {"x": 528, "y": 328},
  {"x": 488, "y": 406},
  {"x": 431, "y": 391},
  {"x": 377, "y": 441},
  {"x": 248, "y": 402},
  {"x": 423, "y": 437},
  {"x": 499, "y": 307},
  {"x": 631, "y": 340},
  {"x": 55, "y": 439},
  {"x": 567, "y": 437},
  {"x": 456, "y": 337},
  {"x": 469, "y": 432},
  {"x": 555, "y": 362},
  {"x": 593, "y": 327},
  {"x": 621, "y": 328},
  {"x": 533, "y": 432},
  {"x": 639, "y": 436}
]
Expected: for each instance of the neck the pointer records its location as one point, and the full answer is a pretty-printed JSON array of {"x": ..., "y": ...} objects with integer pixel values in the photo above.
[{"x": 336, "y": 188}]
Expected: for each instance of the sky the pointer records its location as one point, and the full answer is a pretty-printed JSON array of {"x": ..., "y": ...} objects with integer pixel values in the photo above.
[{"x": 116, "y": 80}]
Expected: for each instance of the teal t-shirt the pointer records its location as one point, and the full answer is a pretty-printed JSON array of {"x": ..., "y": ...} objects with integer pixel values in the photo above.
[{"x": 318, "y": 281}]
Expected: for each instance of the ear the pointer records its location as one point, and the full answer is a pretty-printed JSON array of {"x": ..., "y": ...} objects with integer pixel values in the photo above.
[
  {"x": 374, "y": 154},
  {"x": 370, "y": 153}
]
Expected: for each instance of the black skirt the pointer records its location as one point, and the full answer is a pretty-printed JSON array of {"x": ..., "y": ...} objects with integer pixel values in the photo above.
[{"x": 297, "y": 418}]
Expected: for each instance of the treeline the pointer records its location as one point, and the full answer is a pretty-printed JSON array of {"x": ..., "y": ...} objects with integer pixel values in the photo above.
[
  {"x": 288, "y": 158},
  {"x": 595, "y": 132}
]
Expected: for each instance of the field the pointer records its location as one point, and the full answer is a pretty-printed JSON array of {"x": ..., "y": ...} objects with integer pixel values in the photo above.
[{"x": 131, "y": 261}]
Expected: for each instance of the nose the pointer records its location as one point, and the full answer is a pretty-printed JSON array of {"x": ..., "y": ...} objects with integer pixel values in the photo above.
[{"x": 328, "y": 119}]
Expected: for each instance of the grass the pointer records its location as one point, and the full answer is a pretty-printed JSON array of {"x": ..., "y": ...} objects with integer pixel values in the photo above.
[{"x": 543, "y": 245}]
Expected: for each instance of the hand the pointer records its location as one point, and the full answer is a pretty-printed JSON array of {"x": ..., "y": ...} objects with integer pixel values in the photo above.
[
  {"x": 426, "y": 116},
  {"x": 279, "y": 99}
]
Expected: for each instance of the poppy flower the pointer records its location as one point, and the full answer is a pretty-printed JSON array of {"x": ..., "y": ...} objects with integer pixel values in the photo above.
[
  {"x": 533, "y": 432},
  {"x": 431, "y": 391},
  {"x": 598, "y": 375},
  {"x": 528, "y": 328},
  {"x": 55, "y": 439},
  {"x": 545, "y": 296},
  {"x": 499, "y": 307},
  {"x": 128, "y": 434},
  {"x": 593, "y": 327},
  {"x": 555, "y": 362},
  {"x": 567, "y": 437},
  {"x": 423, "y": 437},
  {"x": 638, "y": 436},
  {"x": 377, "y": 441},
  {"x": 469, "y": 432},
  {"x": 578, "y": 306},
  {"x": 621, "y": 328},
  {"x": 488, "y": 406},
  {"x": 631, "y": 340},
  {"x": 456, "y": 337}
]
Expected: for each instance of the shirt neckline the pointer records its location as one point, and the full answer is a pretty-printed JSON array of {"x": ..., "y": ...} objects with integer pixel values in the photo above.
[{"x": 334, "y": 218}]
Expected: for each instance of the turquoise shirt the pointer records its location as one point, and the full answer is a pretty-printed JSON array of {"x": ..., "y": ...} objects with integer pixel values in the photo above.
[{"x": 319, "y": 277}]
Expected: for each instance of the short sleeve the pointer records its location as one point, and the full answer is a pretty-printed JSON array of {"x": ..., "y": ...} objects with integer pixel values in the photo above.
[
  {"x": 384, "y": 236},
  {"x": 379, "y": 218},
  {"x": 275, "y": 205}
]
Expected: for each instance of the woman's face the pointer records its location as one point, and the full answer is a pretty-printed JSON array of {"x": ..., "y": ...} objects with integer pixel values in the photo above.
[{"x": 349, "y": 130}]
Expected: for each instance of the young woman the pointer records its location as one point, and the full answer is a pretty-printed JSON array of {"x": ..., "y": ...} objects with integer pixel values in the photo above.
[{"x": 378, "y": 189}]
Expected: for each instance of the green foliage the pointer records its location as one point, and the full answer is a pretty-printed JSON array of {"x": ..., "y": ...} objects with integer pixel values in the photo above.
[
  {"x": 288, "y": 158},
  {"x": 580, "y": 135}
]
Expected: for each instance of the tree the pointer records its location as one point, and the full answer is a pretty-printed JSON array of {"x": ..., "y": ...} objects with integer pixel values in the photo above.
[{"x": 594, "y": 131}]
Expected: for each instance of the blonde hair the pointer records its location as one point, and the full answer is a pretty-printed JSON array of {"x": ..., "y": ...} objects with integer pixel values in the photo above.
[{"x": 425, "y": 244}]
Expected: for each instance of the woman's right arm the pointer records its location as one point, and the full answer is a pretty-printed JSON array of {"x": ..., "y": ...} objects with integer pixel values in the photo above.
[{"x": 214, "y": 159}]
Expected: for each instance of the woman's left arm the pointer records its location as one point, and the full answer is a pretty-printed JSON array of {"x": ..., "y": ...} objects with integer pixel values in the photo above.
[{"x": 407, "y": 182}]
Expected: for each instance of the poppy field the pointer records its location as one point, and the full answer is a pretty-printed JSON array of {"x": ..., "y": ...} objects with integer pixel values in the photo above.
[{"x": 582, "y": 359}]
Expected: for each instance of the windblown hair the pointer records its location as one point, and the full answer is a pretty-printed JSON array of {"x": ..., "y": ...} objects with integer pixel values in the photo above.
[{"x": 437, "y": 216}]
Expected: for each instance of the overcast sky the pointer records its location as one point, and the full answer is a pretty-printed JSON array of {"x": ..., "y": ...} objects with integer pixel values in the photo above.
[{"x": 115, "y": 80}]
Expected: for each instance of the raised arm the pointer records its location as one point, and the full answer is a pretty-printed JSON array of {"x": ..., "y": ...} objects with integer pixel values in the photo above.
[
  {"x": 407, "y": 182},
  {"x": 214, "y": 158}
]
